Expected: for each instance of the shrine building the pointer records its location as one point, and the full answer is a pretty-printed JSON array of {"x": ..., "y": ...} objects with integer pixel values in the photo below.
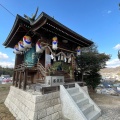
[
  {"x": 44, "y": 86},
  {"x": 45, "y": 51}
]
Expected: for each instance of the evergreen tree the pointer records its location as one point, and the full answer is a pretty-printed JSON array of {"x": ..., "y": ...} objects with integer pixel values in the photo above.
[
  {"x": 89, "y": 63},
  {"x": 6, "y": 71}
]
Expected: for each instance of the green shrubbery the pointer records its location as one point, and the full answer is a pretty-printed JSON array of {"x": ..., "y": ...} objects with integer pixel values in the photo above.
[
  {"x": 89, "y": 63},
  {"x": 6, "y": 71}
]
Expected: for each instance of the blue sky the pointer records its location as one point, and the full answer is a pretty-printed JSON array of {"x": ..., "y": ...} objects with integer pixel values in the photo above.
[{"x": 97, "y": 20}]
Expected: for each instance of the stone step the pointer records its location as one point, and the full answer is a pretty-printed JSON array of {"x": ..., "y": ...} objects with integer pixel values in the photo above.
[
  {"x": 87, "y": 108},
  {"x": 77, "y": 96},
  {"x": 82, "y": 102},
  {"x": 64, "y": 119},
  {"x": 72, "y": 90},
  {"x": 93, "y": 115}
]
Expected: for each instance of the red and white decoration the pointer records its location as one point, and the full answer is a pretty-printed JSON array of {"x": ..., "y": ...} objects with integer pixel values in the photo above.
[
  {"x": 54, "y": 43},
  {"x": 20, "y": 45},
  {"x": 39, "y": 47},
  {"x": 78, "y": 51},
  {"x": 16, "y": 50},
  {"x": 27, "y": 42}
]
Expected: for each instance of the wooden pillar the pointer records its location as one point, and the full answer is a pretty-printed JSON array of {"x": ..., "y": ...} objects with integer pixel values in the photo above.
[
  {"x": 15, "y": 72},
  {"x": 25, "y": 79},
  {"x": 32, "y": 78},
  {"x": 47, "y": 53},
  {"x": 73, "y": 62},
  {"x": 16, "y": 79},
  {"x": 19, "y": 83},
  {"x": 73, "y": 65}
]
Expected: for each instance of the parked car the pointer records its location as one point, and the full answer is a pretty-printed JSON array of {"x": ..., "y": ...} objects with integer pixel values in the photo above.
[
  {"x": 6, "y": 80},
  {"x": 1, "y": 78}
]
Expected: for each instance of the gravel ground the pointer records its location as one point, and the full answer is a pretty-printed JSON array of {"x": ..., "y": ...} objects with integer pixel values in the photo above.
[
  {"x": 110, "y": 112},
  {"x": 110, "y": 106}
]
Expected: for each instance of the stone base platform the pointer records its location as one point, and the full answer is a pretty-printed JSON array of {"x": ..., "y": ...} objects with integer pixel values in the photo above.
[{"x": 30, "y": 105}]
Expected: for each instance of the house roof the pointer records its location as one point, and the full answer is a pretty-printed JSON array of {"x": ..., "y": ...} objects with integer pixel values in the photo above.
[{"x": 45, "y": 23}]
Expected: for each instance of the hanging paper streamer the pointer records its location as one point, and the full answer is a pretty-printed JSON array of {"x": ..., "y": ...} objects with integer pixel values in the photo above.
[
  {"x": 69, "y": 60},
  {"x": 39, "y": 47},
  {"x": 65, "y": 60},
  {"x": 16, "y": 50},
  {"x": 78, "y": 51},
  {"x": 62, "y": 57},
  {"x": 58, "y": 58},
  {"x": 20, "y": 45},
  {"x": 54, "y": 58},
  {"x": 54, "y": 43},
  {"x": 27, "y": 41}
]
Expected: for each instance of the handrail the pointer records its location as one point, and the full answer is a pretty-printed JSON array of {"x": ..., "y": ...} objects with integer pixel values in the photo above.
[
  {"x": 41, "y": 68},
  {"x": 39, "y": 64},
  {"x": 23, "y": 65},
  {"x": 41, "y": 71}
]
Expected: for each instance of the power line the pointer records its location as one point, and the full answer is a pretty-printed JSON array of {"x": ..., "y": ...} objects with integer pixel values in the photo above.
[{"x": 7, "y": 10}]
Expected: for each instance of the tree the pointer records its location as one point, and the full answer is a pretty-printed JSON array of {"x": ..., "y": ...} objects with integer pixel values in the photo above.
[
  {"x": 119, "y": 54},
  {"x": 6, "y": 71},
  {"x": 90, "y": 62},
  {"x": 93, "y": 79}
]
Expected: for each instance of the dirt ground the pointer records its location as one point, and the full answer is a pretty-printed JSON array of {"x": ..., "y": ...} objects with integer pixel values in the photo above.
[
  {"x": 109, "y": 105},
  {"x": 102, "y": 99},
  {"x": 105, "y": 102},
  {"x": 4, "y": 112}
]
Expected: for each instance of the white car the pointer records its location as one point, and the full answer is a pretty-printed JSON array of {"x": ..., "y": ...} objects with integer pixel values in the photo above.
[{"x": 6, "y": 80}]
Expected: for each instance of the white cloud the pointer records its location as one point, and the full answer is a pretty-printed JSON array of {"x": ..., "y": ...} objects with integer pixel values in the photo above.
[
  {"x": 117, "y": 47},
  {"x": 7, "y": 64},
  {"x": 109, "y": 11},
  {"x": 113, "y": 63},
  {"x": 3, "y": 56}
]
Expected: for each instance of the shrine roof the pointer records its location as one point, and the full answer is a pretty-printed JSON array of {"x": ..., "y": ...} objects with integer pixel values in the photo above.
[
  {"x": 20, "y": 27},
  {"x": 45, "y": 23}
]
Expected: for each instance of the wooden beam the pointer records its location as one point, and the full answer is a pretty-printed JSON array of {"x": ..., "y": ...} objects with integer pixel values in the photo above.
[
  {"x": 16, "y": 79},
  {"x": 25, "y": 80},
  {"x": 40, "y": 25},
  {"x": 13, "y": 35}
]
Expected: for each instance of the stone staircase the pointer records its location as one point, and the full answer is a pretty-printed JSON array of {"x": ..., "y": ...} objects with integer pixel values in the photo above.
[{"x": 81, "y": 104}]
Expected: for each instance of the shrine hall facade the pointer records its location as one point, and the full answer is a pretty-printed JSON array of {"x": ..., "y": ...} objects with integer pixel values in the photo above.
[{"x": 45, "y": 51}]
